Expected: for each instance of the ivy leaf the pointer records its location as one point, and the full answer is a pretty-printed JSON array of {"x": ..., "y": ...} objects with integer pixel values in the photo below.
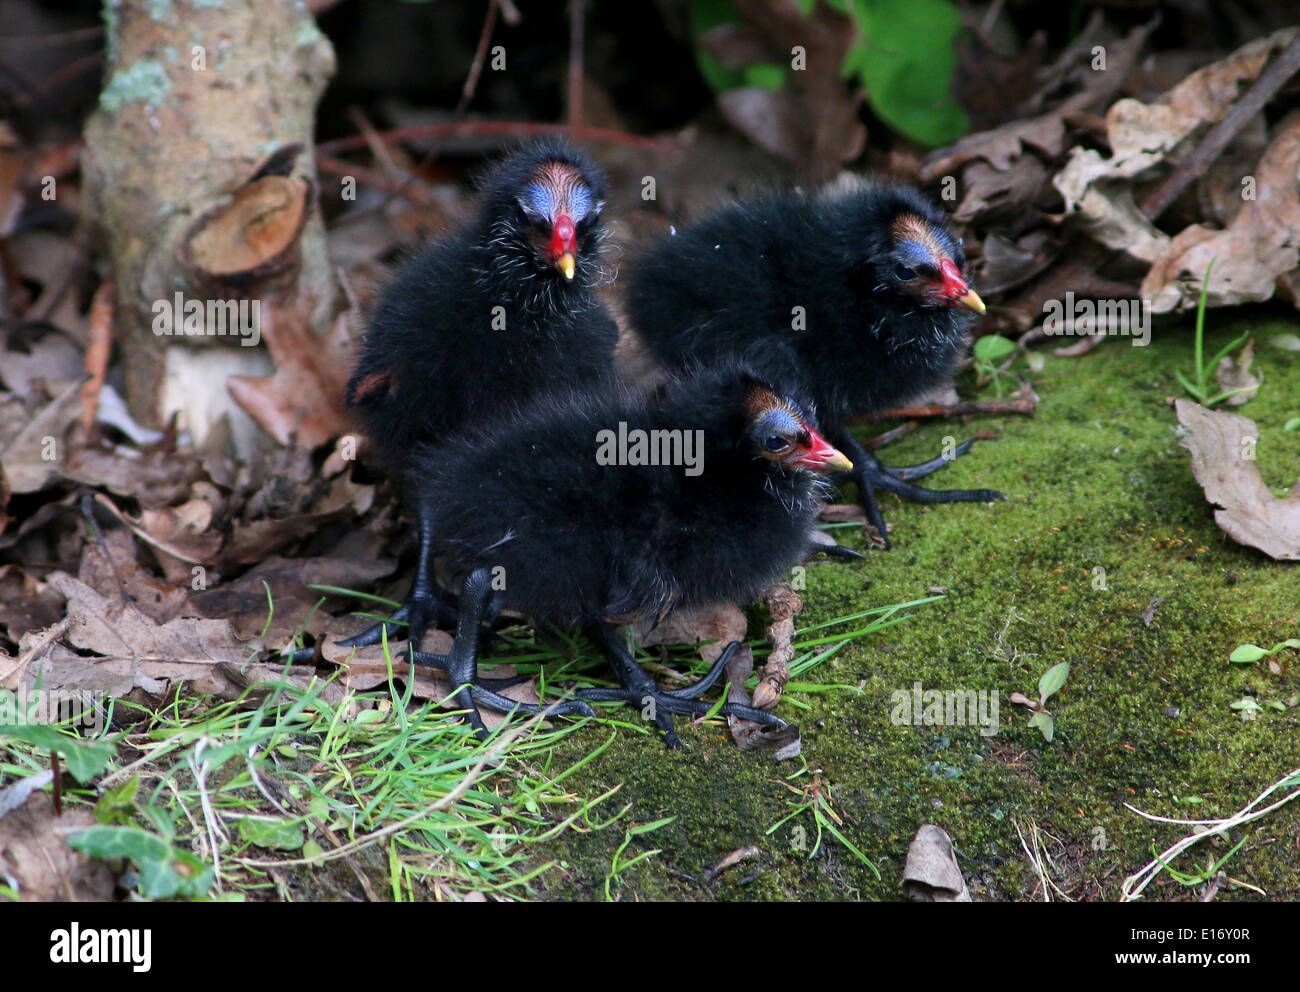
[
  {"x": 274, "y": 834},
  {"x": 164, "y": 870},
  {"x": 906, "y": 58}
]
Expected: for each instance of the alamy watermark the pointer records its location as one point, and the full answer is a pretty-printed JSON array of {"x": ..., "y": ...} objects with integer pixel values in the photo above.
[
  {"x": 637, "y": 446},
  {"x": 80, "y": 709},
  {"x": 190, "y": 317},
  {"x": 923, "y": 707},
  {"x": 1085, "y": 318}
]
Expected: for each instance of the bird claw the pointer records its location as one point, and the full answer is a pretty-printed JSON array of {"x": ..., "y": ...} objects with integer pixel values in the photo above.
[
  {"x": 836, "y": 551},
  {"x": 462, "y": 667},
  {"x": 870, "y": 475},
  {"x": 412, "y": 620},
  {"x": 659, "y": 705}
]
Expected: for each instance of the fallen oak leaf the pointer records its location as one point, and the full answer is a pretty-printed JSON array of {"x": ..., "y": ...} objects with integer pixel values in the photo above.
[
  {"x": 178, "y": 531},
  {"x": 32, "y": 459},
  {"x": 302, "y": 402},
  {"x": 183, "y": 648},
  {"x": 1222, "y": 445}
]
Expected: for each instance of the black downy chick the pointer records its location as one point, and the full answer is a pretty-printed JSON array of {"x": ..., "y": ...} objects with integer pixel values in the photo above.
[
  {"x": 603, "y": 511},
  {"x": 857, "y": 297},
  {"x": 483, "y": 321}
]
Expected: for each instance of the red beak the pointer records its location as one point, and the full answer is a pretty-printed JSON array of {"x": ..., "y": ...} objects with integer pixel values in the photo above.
[
  {"x": 564, "y": 245},
  {"x": 822, "y": 456},
  {"x": 955, "y": 291}
]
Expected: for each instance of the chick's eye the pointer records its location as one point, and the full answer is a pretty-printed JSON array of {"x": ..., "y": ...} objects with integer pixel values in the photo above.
[
  {"x": 776, "y": 443},
  {"x": 904, "y": 273}
]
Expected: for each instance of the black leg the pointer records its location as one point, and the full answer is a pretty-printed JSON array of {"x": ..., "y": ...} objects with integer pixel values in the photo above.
[
  {"x": 870, "y": 475},
  {"x": 640, "y": 691},
  {"x": 461, "y": 664},
  {"x": 933, "y": 465},
  {"x": 426, "y": 604},
  {"x": 834, "y": 551}
]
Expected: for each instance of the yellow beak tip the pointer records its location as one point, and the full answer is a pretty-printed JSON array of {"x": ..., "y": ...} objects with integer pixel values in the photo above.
[
  {"x": 566, "y": 265},
  {"x": 972, "y": 301}
]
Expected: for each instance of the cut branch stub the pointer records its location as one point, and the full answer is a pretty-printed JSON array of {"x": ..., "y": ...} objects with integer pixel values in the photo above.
[{"x": 252, "y": 239}]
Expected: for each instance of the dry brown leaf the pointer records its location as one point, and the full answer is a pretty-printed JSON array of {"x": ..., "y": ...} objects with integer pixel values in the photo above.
[
  {"x": 1098, "y": 190},
  {"x": 720, "y": 625},
  {"x": 1007, "y": 264},
  {"x": 1222, "y": 447},
  {"x": 259, "y": 225},
  {"x": 128, "y": 641},
  {"x": 430, "y": 683},
  {"x": 1249, "y": 256},
  {"x": 35, "y": 457},
  {"x": 243, "y": 601},
  {"x": 110, "y": 568},
  {"x": 302, "y": 403},
  {"x": 179, "y": 532},
  {"x": 155, "y": 476},
  {"x": 40, "y": 865},
  {"x": 253, "y": 541},
  {"x": 931, "y": 873},
  {"x": 1000, "y": 147},
  {"x": 1000, "y": 195},
  {"x": 1234, "y": 373}
]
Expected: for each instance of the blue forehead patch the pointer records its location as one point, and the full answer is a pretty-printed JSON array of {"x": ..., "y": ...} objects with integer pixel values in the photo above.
[
  {"x": 779, "y": 421},
  {"x": 580, "y": 202},
  {"x": 541, "y": 198}
]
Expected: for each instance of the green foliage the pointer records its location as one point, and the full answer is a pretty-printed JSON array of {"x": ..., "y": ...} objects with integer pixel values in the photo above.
[
  {"x": 1050, "y": 683},
  {"x": 989, "y": 351},
  {"x": 164, "y": 871},
  {"x": 905, "y": 57},
  {"x": 903, "y": 54},
  {"x": 618, "y": 865},
  {"x": 709, "y": 14},
  {"x": 1247, "y": 654},
  {"x": 85, "y": 759},
  {"x": 1200, "y": 389}
]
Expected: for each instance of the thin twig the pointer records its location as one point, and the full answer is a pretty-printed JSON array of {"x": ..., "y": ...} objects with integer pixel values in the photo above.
[
  {"x": 891, "y": 435},
  {"x": 1025, "y": 403},
  {"x": 375, "y": 179},
  {"x": 1220, "y": 136},
  {"x": 480, "y": 55},
  {"x": 97, "y": 351}
]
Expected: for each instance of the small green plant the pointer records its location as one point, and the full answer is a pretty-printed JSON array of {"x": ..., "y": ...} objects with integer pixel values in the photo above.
[
  {"x": 1248, "y": 654},
  {"x": 1049, "y": 684},
  {"x": 988, "y": 352},
  {"x": 1211, "y": 869},
  {"x": 816, "y": 798},
  {"x": 1200, "y": 390},
  {"x": 618, "y": 865}
]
